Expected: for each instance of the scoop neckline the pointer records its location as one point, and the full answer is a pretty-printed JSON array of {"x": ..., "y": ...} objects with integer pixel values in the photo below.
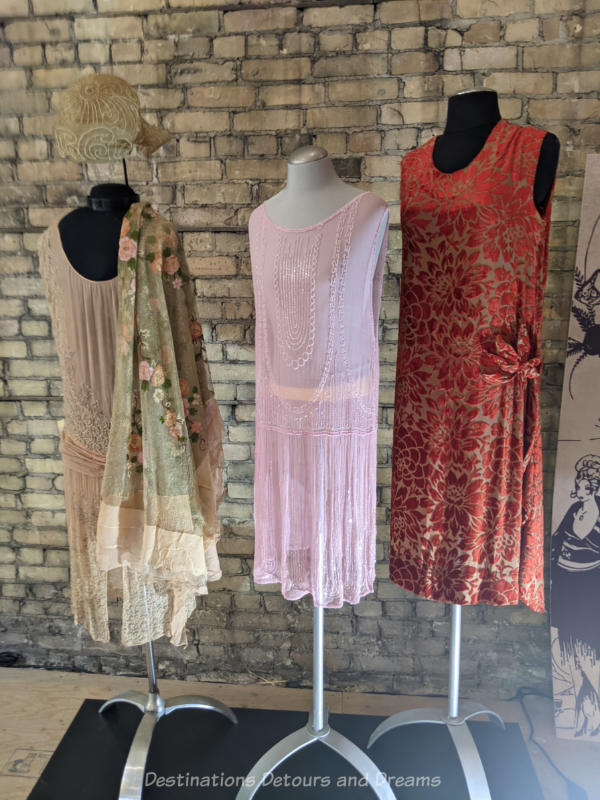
[
  {"x": 491, "y": 135},
  {"x": 316, "y": 224},
  {"x": 66, "y": 258}
]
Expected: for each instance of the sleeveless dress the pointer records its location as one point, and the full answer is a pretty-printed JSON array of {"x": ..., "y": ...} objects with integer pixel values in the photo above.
[
  {"x": 317, "y": 296},
  {"x": 466, "y": 500},
  {"x": 84, "y": 324}
]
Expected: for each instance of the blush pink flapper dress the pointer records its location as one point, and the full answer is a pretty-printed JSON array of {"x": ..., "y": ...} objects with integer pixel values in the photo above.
[{"x": 317, "y": 296}]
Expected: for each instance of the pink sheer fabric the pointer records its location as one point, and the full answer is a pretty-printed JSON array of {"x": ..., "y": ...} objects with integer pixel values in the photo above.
[{"x": 317, "y": 295}]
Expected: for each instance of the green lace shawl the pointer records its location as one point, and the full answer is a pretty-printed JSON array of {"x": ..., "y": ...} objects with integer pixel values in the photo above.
[{"x": 163, "y": 480}]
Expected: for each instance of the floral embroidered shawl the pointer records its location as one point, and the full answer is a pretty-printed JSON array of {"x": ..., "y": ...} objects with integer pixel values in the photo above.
[{"x": 163, "y": 480}]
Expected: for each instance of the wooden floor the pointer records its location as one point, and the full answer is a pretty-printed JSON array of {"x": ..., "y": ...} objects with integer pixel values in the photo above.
[{"x": 36, "y": 707}]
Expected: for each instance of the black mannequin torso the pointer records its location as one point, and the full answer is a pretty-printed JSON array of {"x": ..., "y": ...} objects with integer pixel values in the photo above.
[
  {"x": 471, "y": 117},
  {"x": 90, "y": 236}
]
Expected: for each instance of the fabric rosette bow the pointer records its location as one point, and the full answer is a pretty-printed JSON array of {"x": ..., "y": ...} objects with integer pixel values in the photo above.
[{"x": 502, "y": 361}]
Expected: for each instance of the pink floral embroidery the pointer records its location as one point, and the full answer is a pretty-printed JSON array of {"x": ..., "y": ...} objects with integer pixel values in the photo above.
[
  {"x": 145, "y": 371},
  {"x": 158, "y": 376},
  {"x": 177, "y": 283},
  {"x": 127, "y": 248}
]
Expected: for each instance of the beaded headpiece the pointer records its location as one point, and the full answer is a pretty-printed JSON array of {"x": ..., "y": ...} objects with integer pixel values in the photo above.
[{"x": 99, "y": 119}]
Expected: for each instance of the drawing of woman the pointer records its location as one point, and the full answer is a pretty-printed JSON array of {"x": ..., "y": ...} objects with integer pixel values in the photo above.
[{"x": 575, "y": 593}]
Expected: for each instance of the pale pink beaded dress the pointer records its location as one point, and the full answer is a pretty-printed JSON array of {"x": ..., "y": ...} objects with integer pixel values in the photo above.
[{"x": 317, "y": 295}]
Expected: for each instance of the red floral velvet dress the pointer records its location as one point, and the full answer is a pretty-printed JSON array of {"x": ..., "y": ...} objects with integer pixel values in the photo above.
[{"x": 466, "y": 507}]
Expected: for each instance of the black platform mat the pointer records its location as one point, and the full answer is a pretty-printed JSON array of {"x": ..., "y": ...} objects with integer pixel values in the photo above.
[{"x": 198, "y": 754}]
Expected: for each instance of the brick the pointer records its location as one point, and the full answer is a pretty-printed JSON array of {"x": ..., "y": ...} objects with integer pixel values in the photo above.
[
  {"x": 108, "y": 28},
  {"x": 28, "y": 56},
  {"x": 20, "y": 368},
  {"x": 62, "y": 7},
  {"x": 484, "y": 31},
  {"x": 7, "y": 555},
  {"x": 8, "y": 573},
  {"x": 212, "y": 265},
  {"x": 268, "y": 19},
  {"x": 15, "y": 8},
  {"x": 298, "y": 43},
  {"x": 30, "y": 555},
  {"x": 554, "y": 56},
  {"x": 525, "y": 30},
  {"x": 221, "y": 96},
  {"x": 52, "y": 171},
  {"x": 14, "y": 79},
  {"x": 93, "y": 52},
  {"x": 187, "y": 22},
  {"x": 434, "y": 9},
  {"x": 21, "y": 287},
  {"x": 423, "y": 86},
  {"x": 126, "y": 51},
  {"x": 28, "y": 102},
  {"x": 43, "y": 574},
  {"x": 118, "y": 6},
  {"x": 412, "y": 113},
  {"x": 61, "y": 53},
  {"x": 229, "y": 47},
  {"x": 203, "y": 72},
  {"x": 557, "y": 6},
  {"x": 408, "y": 38},
  {"x": 55, "y": 30},
  {"x": 490, "y": 57},
  {"x": 520, "y": 83},
  {"x": 345, "y": 117},
  {"x": 399, "y": 12},
  {"x": 180, "y": 121},
  {"x": 576, "y": 82},
  {"x": 216, "y": 193},
  {"x": 335, "y": 16},
  {"x": 306, "y": 94},
  {"x": 56, "y": 78},
  {"x": 346, "y": 66},
  {"x": 262, "y": 44},
  {"x": 262, "y": 168},
  {"x": 279, "y": 69},
  {"x": 57, "y": 558},
  {"x": 366, "y": 89},
  {"x": 572, "y": 109},
  {"x": 335, "y": 41},
  {"x": 591, "y": 26},
  {"x": 138, "y": 74},
  {"x": 372, "y": 40},
  {"x": 412, "y": 62},
  {"x": 382, "y": 166},
  {"x": 193, "y": 47},
  {"x": 12, "y": 349},
  {"x": 364, "y": 142},
  {"x": 190, "y": 170},
  {"x": 267, "y": 120},
  {"x": 488, "y": 8}
]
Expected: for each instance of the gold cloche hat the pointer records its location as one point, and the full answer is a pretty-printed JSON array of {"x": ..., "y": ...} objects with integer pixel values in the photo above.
[{"x": 99, "y": 119}]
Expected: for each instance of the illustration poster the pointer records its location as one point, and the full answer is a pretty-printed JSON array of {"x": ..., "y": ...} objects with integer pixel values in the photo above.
[{"x": 575, "y": 567}]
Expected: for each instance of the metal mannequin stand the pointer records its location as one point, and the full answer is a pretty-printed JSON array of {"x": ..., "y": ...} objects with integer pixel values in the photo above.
[
  {"x": 316, "y": 730},
  {"x": 153, "y": 707},
  {"x": 455, "y": 720}
]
